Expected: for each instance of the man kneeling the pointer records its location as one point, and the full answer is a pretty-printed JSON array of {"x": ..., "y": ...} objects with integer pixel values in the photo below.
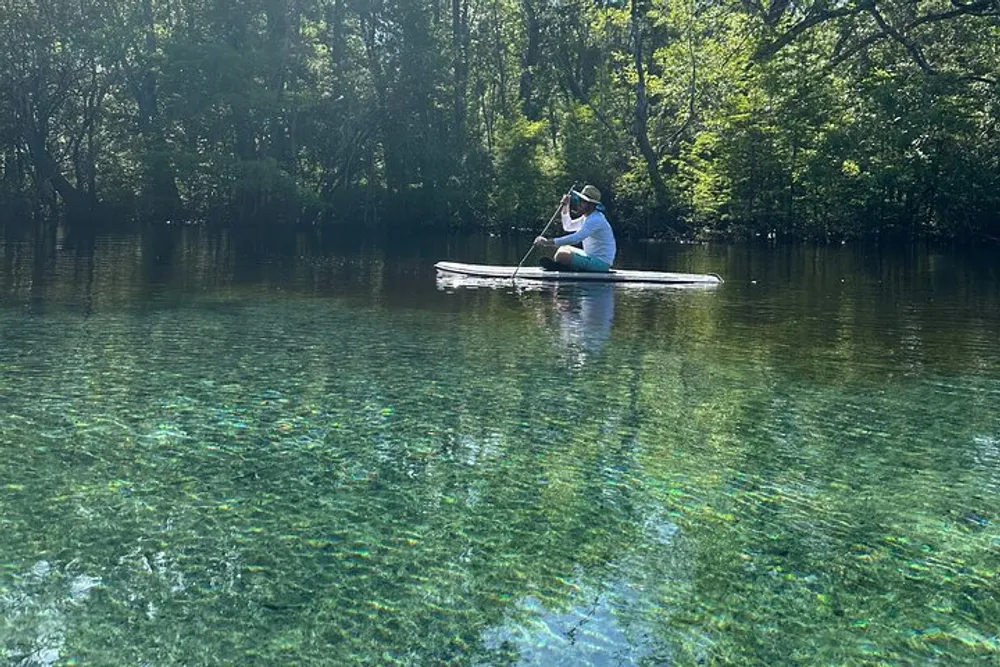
[{"x": 590, "y": 227}]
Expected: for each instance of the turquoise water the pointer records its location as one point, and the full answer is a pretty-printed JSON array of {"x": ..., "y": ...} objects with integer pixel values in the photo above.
[{"x": 319, "y": 454}]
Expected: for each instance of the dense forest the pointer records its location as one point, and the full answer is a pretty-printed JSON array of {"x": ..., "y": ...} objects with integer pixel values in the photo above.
[{"x": 822, "y": 119}]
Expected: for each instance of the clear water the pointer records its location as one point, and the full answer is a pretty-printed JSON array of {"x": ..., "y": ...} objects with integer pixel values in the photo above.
[{"x": 216, "y": 453}]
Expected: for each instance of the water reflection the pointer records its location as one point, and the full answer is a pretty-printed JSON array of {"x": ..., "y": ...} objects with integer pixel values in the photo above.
[
  {"x": 581, "y": 314},
  {"x": 918, "y": 311},
  {"x": 585, "y": 314}
]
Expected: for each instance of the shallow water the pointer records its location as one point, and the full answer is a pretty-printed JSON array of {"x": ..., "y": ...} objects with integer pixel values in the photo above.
[{"x": 315, "y": 452}]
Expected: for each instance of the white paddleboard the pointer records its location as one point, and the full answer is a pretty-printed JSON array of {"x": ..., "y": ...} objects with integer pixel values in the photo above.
[{"x": 613, "y": 276}]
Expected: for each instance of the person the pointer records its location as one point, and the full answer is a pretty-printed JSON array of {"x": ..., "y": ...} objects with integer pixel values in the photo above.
[{"x": 590, "y": 228}]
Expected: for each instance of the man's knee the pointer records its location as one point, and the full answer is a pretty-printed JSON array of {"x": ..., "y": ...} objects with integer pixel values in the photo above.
[{"x": 564, "y": 255}]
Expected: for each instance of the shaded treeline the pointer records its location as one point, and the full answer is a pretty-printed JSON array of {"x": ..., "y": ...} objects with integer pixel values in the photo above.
[{"x": 807, "y": 119}]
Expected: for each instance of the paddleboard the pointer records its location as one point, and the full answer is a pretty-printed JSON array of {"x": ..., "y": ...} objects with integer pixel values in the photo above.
[{"x": 613, "y": 276}]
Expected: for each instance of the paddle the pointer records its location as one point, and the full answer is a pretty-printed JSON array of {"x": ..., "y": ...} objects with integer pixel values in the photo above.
[{"x": 545, "y": 229}]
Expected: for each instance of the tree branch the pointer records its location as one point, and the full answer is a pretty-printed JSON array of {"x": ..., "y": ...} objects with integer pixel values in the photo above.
[
  {"x": 768, "y": 50},
  {"x": 856, "y": 49},
  {"x": 980, "y": 8},
  {"x": 910, "y": 47},
  {"x": 670, "y": 144}
]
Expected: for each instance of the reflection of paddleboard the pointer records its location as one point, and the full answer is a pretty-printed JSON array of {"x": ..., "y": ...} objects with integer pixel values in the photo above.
[{"x": 615, "y": 276}]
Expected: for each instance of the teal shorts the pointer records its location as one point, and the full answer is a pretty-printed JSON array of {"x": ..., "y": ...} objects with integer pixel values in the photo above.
[{"x": 581, "y": 261}]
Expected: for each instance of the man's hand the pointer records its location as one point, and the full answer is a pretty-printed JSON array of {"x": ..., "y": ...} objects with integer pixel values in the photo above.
[{"x": 543, "y": 242}]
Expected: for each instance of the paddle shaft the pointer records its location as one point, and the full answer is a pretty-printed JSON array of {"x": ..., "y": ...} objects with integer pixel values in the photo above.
[{"x": 546, "y": 228}]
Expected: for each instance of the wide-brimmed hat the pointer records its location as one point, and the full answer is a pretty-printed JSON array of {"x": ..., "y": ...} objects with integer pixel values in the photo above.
[{"x": 589, "y": 193}]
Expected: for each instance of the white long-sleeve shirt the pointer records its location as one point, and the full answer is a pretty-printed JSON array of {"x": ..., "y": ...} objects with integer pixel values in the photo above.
[{"x": 595, "y": 233}]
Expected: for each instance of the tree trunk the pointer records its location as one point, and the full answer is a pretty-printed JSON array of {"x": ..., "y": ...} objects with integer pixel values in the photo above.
[
  {"x": 642, "y": 114},
  {"x": 389, "y": 130},
  {"x": 159, "y": 185},
  {"x": 501, "y": 55},
  {"x": 526, "y": 89},
  {"x": 335, "y": 21},
  {"x": 280, "y": 28},
  {"x": 77, "y": 201},
  {"x": 146, "y": 90},
  {"x": 460, "y": 44}
]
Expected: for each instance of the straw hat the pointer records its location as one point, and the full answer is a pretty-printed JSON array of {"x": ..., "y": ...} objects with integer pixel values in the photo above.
[{"x": 590, "y": 194}]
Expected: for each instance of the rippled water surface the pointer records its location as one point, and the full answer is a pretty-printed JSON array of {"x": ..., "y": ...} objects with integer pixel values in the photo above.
[{"x": 316, "y": 453}]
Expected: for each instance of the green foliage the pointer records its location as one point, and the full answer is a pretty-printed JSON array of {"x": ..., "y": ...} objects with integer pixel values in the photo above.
[
  {"x": 260, "y": 189},
  {"x": 588, "y": 150},
  {"x": 524, "y": 169},
  {"x": 634, "y": 200},
  {"x": 724, "y": 118}
]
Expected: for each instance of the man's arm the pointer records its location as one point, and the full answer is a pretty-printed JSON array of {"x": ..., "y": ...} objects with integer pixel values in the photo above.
[
  {"x": 585, "y": 230},
  {"x": 571, "y": 224}
]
